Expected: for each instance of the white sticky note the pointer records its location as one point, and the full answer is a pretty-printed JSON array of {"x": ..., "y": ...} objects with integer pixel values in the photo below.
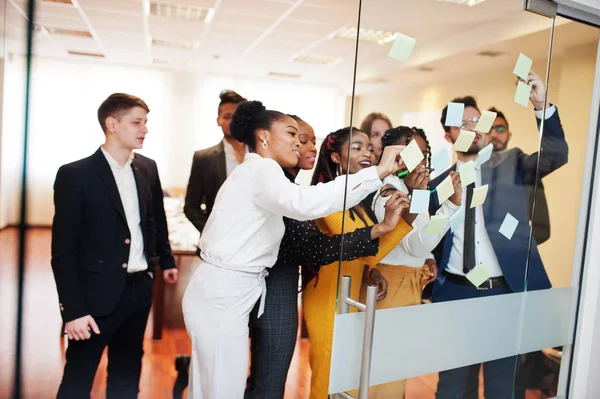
[
  {"x": 402, "y": 47},
  {"x": 440, "y": 161},
  {"x": 455, "y": 114},
  {"x": 509, "y": 226},
  {"x": 485, "y": 122},
  {"x": 484, "y": 155},
  {"x": 478, "y": 275},
  {"x": 522, "y": 94},
  {"x": 419, "y": 202},
  {"x": 436, "y": 224},
  {"x": 457, "y": 219},
  {"x": 523, "y": 66},
  {"x": 479, "y": 195},
  {"x": 467, "y": 173},
  {"x": 464, "y": 140},
  {"x": 412, "y": 155},
  {"x": 445, "y": 190}
]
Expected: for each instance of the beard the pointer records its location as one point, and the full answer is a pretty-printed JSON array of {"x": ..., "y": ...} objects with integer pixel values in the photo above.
[{"x": 499, "y": 145}]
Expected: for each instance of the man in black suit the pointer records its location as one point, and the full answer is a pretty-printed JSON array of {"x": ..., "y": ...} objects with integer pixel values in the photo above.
[
  {"x": 499, "y": 137},
  {"x": 211, "y": 166},
  {"x": 108, "y": 235}
]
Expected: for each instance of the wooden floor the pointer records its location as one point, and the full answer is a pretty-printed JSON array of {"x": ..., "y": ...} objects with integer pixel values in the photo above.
[{"x": 43, "y": 357}]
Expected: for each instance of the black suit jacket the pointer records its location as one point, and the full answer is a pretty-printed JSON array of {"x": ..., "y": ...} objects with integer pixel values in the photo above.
[
  {"x": 90, "y": 236},
  {"x": 207, "y": 175}
]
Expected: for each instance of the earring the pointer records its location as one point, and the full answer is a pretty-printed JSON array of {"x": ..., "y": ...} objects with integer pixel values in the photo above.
[
  {"x": 264, "y": 144},
  {"x": 339, "y": 169}
]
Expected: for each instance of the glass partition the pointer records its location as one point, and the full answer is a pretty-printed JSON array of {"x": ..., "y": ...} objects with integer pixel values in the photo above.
[{"x": 491, "y": 317}]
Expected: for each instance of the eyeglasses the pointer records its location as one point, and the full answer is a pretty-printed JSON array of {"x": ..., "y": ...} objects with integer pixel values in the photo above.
[
  {"x": 498, "y": 129},
  {"x": 469, "y": 122}
]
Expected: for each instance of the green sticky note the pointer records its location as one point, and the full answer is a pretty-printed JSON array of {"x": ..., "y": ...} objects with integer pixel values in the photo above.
[
  {"x": 523, "y": 66},
  {"x": 478, "y": 275},
  {"x": 522, "y": 94},
  {"x": 479, "y": 195},
  {"x": 436, "y": 224},
  {"x": 445, "y": 190},
  {"x": 464, "y": 140},
  {"x": 402, "y": 47},
  {"x": 485, "y": 122},
  {"x": 412, "y": 155},
  {"x": 467, "y": 173}
]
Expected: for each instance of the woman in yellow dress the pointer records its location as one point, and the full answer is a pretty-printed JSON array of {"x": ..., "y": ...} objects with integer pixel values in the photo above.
[{"x": 319, "y": 296}]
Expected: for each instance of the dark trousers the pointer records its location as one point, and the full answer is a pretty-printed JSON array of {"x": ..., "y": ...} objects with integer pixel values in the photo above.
[
  {"x": 123, "y": 332},
  {"x": 273, "y": 335},
  {"x": 463, "y": 382}
]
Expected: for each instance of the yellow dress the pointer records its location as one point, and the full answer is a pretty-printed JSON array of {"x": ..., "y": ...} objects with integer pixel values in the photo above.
[{"x": 319, "y": 300}]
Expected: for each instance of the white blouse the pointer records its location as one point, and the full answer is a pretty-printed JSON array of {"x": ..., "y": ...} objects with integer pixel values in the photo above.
[
  {"x": 417, "y": 245},
  {"x": 245, "y": 227}
]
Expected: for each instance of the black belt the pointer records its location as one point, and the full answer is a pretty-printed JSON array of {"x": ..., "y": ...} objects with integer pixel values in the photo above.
[
  {"x": 136, "y": 276},
  {"x": 494, "y": 282}
]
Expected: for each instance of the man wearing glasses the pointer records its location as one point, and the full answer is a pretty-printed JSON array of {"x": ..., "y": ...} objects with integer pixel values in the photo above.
[{"x": 477, "y": 241}]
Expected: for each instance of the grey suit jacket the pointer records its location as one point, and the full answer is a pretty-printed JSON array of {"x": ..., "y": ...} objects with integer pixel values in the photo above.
[{"x": 207, "y": 175}]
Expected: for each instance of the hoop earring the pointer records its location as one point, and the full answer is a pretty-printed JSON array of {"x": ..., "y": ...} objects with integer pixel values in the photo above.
[
  {"x": 339, "y": 169},
  {"x": 264, "y": 144}
]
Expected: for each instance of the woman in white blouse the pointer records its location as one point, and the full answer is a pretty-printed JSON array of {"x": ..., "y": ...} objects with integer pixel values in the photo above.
[{"x": 241, "y": 241}]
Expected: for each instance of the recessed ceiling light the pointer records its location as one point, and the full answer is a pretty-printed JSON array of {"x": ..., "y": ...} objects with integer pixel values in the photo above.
[
  {"x": 316, "y": 59},
  {"x": 181, "y": 12},
  {"x": 58, "y": 1},
  {"x": 86, "y": 54},
  {"x": 284, "y": 75},
  {"x": 490, "y": 53},
  {"x": 160, "y": 61},
  {"x": 425, "y": 69},
  {"x": 367, "y": 35},
  {"x": 469, "y": 3},
  {"x": 68, "y": 32},
  {"x": 180, "y": 44}
]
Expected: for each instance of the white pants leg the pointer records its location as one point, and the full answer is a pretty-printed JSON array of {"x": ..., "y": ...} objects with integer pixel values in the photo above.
[{"x": 216, "y": 308}]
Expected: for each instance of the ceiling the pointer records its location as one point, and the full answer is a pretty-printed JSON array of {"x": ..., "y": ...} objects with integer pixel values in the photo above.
[{"x": 261, "y": 38}]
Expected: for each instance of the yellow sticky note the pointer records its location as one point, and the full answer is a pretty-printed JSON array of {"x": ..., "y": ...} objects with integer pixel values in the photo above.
[
  {"x": 412, "y": 155},
  {"x": 523, "y": 66},
  {"x": 522, "y": 94},
  {"x": 402, "y": 47},
  {"x": 478, "y": 275},
  {"x": 479, "y": 195},
  {"x": 467, "y": 173},
  {"x": 486, "y": 120},
  {"x": 464, "y": 140},
  {"x": 445, "y": 190},
  {"x": 436, "y": 224}
]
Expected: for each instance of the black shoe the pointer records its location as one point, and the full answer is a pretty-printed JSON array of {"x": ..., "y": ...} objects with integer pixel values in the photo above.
[{"x": 182, "y": 365}]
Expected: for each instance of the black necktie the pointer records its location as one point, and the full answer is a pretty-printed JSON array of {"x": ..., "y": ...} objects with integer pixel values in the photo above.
[{"x": 469, "y": 236}]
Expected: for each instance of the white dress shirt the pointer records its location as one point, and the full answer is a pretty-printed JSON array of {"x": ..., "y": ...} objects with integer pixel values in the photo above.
[
  {"x": 484, "y": 251},
  {"x": 230, "y": 161},
  {"x": 245, "y": 227},
  {"x": 417, "y": 245},
  {"x": 129, "y": 198}
]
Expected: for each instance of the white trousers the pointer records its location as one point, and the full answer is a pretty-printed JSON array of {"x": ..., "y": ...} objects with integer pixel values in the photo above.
[{"x": 216, "y": 309}]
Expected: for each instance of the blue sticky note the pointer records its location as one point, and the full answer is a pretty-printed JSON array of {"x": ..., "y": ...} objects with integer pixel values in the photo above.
[
  {"x": 420, "y": 201},
  {"x": 509, "y": 226},
  {"x": 402, "y": 47},
  {"x": 457, "y": 219},
  {"x": 455, "y": 114},
  {"x": 440, "y": 161},
  {"x": 484, "y": 155}
]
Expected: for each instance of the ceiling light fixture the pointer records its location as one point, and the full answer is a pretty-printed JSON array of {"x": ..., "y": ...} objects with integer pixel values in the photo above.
[
  {"x": 469, "y": 3},
  {"x": 180, "y": 44},
  {"x": 316, "y": 59},
  {"x": 86, "y": 54},
  {"x": 181, "y": 12},
  {"x": 284, "y": 75},
  {"x": 380, "y": 37}
]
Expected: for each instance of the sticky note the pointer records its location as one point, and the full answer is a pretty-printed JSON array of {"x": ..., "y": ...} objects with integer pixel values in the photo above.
[
  {"x": 486, "y": 120},
  {"x": 484, "y": 155},
  {"x": 402, "y": 47},
  {"x": 419, "y": 202},
  {"x": 509, "y": 226},
  {"x": 445, "y": 190},
  {"x": 412, "y": 155},
  {"x": 457, "y": 219},
  {"x": 523, "y": 66},
  {"x": 440, "y": 161},
  {"x": 522, "y": 94},
  {"x": 464, "y": 140},
  {"x": 436, "y": 224},
  {"x": 455, "y": 114},
  {"x": 467, "y": 173},
  {"x": 479, "y": 195},
  {"x": 478, "y": 275}
]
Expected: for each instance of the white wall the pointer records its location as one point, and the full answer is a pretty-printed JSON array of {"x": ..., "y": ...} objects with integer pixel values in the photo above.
[{"x": 183, "y": 108}]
